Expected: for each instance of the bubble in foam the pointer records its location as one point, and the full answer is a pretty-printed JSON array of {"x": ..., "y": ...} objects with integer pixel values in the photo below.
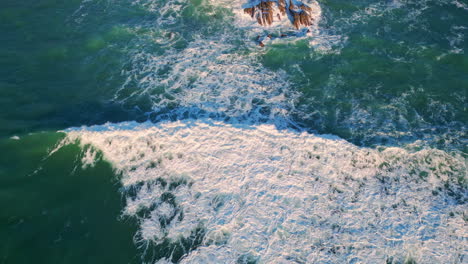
[{"x": 255, "y": 193}]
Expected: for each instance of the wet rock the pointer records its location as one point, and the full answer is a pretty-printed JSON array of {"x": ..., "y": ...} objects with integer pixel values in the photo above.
[{"x": 299, "y": 14}]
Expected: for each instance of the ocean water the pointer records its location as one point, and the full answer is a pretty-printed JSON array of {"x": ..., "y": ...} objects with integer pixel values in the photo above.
[{"x": 150, "y": 131}]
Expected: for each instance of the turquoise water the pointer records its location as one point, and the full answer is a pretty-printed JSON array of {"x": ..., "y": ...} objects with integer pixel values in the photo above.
[{"x": 378, "y": 74}]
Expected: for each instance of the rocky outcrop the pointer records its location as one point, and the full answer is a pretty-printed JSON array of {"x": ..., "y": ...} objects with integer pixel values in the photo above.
[{"x": 268, "y": 11}]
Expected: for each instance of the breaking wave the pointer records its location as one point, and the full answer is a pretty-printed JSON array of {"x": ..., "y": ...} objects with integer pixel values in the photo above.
[{"x": 210, "y": 192}]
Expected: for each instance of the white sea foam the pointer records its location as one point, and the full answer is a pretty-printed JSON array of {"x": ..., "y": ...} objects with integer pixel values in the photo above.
[
  {"x": 278, "y": 196},
  {"x": 208, "y": 78},
  {"x": 213, "y": 75},
  {"x": 169, "y": 12},
  {"x": 460, "y": 4},
  {"x": 319, "y": 41}
]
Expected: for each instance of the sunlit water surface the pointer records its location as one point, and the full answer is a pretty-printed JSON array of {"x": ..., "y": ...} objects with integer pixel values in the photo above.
[{"x": 154, "y": 131}]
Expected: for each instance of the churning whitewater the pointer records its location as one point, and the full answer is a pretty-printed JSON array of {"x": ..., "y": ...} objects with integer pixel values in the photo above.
[
  {"x": 233, "y": 182},
  {"x": 227, "y": 193},
  {"x": 211, "y": 76}
]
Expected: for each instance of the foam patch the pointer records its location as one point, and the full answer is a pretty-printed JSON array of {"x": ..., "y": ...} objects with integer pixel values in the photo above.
[{"x": 255, "y": 193}]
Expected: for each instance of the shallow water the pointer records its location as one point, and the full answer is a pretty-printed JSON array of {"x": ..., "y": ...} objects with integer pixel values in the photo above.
[{"x": 145, "y": 131}]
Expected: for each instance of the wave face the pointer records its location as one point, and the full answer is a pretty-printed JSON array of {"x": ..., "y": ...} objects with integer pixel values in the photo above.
[{"x": 210, "y": 192}]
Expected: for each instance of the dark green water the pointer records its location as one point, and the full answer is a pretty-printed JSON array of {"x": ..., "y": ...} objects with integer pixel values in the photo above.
[
  {"x": 54, "y": 212},
  {"x": 384, "y": 73}
]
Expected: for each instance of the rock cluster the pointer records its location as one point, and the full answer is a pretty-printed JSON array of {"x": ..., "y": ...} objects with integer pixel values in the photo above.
[{"x": 264, "y": 12}]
